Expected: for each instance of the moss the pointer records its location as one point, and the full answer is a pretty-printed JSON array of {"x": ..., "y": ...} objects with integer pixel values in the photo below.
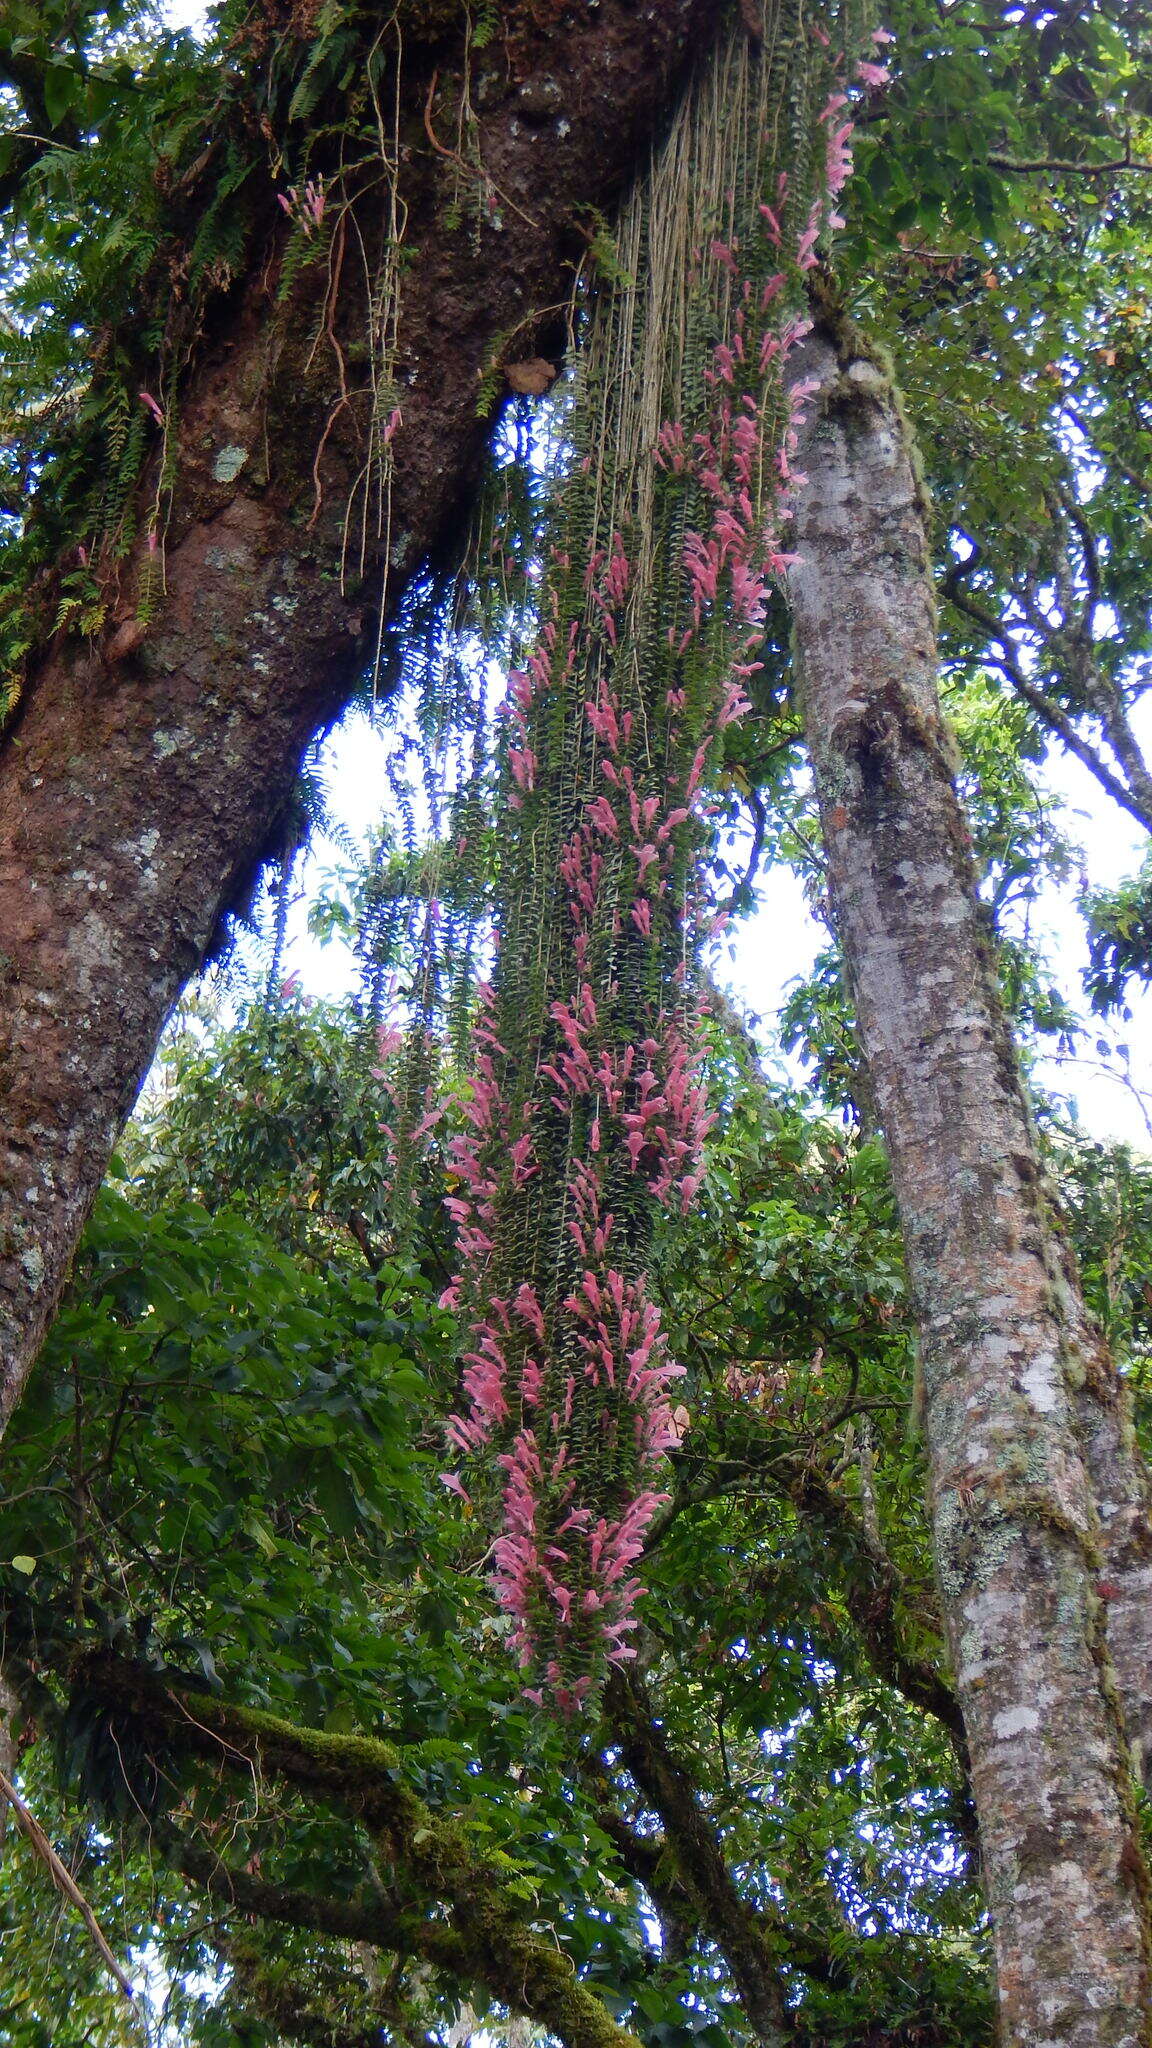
[{"x": 494, "y": 1943}]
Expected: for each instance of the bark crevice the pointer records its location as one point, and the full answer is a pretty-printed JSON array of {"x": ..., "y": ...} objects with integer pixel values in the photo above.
[{"x": 1034, "y": 1488}]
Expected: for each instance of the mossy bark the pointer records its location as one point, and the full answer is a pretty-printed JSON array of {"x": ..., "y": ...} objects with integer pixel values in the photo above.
[
  {"x": 1005, "y": 1350},
  {"x": 454, "y": 1906}
]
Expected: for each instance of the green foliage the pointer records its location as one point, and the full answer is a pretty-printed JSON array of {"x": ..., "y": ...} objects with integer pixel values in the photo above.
[
  {"x": 279, "y": 1405},
  {"x": 280, "y": 1117},
  {"x": 998, "y": 245},
  {"x": 1107, "y": 1193},
  {"x": 1119, "y": 940},
  {"x": 140, "y": 172},
  {"x": 134, "y": 213},
  {"x": 227, "y": 1468}
]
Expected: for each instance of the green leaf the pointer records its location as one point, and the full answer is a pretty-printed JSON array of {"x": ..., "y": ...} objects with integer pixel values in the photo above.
[{"x": 62, "y": 87}]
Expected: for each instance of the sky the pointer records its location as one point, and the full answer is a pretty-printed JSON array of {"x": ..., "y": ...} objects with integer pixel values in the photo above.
[
  {"x": 765, "y": 954},
  {"x": 773, "y": 948}
]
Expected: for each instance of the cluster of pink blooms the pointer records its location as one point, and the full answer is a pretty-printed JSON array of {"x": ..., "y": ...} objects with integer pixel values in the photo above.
[
  {"x": 414, "y": 1111},
  {"x": 567, "y": 1381},
  {"x": 305, "y": 208}
]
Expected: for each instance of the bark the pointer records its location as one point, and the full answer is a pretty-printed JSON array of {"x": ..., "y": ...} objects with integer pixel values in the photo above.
[
  {"x": 144, "y": 776},
  {"x": 9, "y": 1708},
  {"x": 738, "y": 1930},
  {"x": 452, "y": 1904},
  {"x": 1008, "y": 1364}
]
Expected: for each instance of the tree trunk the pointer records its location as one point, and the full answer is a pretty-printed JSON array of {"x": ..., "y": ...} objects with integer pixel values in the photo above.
[
  {"x": 1009, "y": 1365},
  {"x": 142, "y": 779}
]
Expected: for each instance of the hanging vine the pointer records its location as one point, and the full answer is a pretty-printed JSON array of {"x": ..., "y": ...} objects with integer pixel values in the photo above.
[
  {"x": 585, "y": 1112},
  {"x": 273, "y": 149}
]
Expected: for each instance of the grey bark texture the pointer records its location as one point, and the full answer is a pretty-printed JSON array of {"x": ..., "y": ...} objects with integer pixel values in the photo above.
[{"x": 1038, "y": 1578}]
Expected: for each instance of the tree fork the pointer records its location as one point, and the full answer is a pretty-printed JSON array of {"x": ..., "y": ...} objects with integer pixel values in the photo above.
[
  {"x": 488, "y": 1935},
  {"x": 740, "y": 1932},
  {"x": 143, "y": 775},
  {"x": 1008, "y": 1368}
]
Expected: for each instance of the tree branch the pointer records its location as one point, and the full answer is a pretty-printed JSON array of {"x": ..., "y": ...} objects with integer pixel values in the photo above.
[
  {"x": 744, "y": 1936},
  {"x": 377, "y": 1921},
  {"x": 491, "y": 1939},
  {"x": 874, "y": 1593},
  {"x": 1052, "y": 715},
  {"x": 648, "y": 1859},
  {"x": 1064, "y": 167},
  {"x": 63, "y": 1880}
]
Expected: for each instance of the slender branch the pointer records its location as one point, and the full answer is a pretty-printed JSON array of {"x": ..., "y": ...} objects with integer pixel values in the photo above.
[
  {"x": 875, "y": 1592},
  {"x": 1074, "y": 513},
  {"x": 298, "y": 2017},
  {"x": 744, "y": 1936},
  {"x": 648, "y": 1859},
  {"x": 304, "y": 2012},
  {"x": 64, "y": 1881},
  {"x": 1052, "y": 715}
]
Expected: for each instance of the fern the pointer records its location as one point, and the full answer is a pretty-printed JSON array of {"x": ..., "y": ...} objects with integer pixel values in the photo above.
[{"x": 486, "y": 26}]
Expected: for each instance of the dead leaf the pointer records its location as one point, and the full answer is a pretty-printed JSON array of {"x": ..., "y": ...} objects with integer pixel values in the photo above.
[
  {"x": 532, "y": 377},
  {"x": 126, "y": 639}
]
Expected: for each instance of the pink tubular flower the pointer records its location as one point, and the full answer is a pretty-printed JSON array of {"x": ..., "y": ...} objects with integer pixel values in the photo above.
[{"x": 586, "y": 1116}]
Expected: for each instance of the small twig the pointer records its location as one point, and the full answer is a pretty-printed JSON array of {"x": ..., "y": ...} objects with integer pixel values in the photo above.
[
  {"x": 1074, "y": 513},
  {"x": 64, "y": 1881},
  {"x": 742, "y": 890},
  {"x": 469, "y": 171}
]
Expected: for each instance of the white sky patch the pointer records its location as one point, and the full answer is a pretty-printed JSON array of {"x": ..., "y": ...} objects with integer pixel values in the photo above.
[
  {"x": 760, "y": 958},
  {"x": 186, "y": 14}
]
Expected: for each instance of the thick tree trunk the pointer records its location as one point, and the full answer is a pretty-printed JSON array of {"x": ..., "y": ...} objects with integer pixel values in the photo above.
[
  {"x": 1009, "y": 1366},
  {"x": 143, "y": 778}
]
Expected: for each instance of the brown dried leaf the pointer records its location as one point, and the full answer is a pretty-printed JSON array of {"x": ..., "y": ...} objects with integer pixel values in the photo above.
[
  {"x": 532, "y": 377},
  {"x": 126, "y": 639}
]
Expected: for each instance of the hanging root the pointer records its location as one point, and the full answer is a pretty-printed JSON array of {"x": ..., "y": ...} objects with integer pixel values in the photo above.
[{"x": 586, "y": 1111}]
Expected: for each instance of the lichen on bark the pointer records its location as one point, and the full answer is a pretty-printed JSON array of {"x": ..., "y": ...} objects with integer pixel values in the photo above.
[{"x": 1006, "y": 1352}]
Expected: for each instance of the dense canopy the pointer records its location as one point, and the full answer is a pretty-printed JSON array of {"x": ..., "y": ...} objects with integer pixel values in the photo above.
[{"x": 776, "y": 1663}]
